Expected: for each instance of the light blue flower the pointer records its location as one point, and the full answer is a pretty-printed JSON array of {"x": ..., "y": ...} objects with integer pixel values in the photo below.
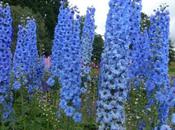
[
  {"x": 69, "y": 111},
  {"x": 77, "y": 117},
  {"x": 158, "y": 83},
  {"x": 16, "y": 85},
  {"x": 173, "y": 119},
  {"x": 66, "y": 59},
  {"x": 87, "y": 39},
  {"x": 51, "y": 81},
  {"x": 113, "y": 87}
]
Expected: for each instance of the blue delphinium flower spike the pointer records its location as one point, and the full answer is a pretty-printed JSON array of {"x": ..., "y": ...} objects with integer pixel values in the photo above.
[
  {"x": 87, "y": 39},
  {"x": 5, "y": 60},
  {"x": 113, "y": 88}
]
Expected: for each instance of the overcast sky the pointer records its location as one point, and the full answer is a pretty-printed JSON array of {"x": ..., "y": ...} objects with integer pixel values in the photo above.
[{"x": 102, "y": 10}]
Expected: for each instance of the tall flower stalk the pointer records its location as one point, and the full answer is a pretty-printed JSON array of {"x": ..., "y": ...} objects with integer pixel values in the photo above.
[
  {"x": 158, "y": 83},
  {"x": 66, "y": 61},
  {"x": 56, "y": 57},
  {"x": 113, "y": 88},
  {"x": 36, "y": 63},
  {"x": 87, "y": 39},
  {"x": 135, "y": 41},
  {"x": 26, "y": 66},
  {"x": 5, "y": 60}
]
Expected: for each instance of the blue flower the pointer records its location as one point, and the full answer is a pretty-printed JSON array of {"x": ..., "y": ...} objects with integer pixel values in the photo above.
[
  {"x": 165, "y": 127},
  {"x": 173, "y": 119},
  {"x": 51, "y": 81},
  {"x": 77, "y": 117},
  {"x": 63, "y": 104},
  {"x": 17, "y": 85},
  {"x": 77, "y": 102},
  {"x": 1, "y": 99},
  {"x": 69, "y": 111}
]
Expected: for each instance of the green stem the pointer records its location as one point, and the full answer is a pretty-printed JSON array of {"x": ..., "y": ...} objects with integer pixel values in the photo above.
[
  {"x": 22, "y": 108},
  {"x": 67, "y": 123},
  {"x": 3, "y": 127},
  {"x": 47, "y": 125}
]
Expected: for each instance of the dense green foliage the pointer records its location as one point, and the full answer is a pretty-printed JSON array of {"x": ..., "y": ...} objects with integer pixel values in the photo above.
[
  {"x": 145, "y": 23},
  {"x": 47, "y": 8},
  {"x": 171, "y": 53},
  {"x": 39, "y": 111},
  {"x": 45, "y": 12},
  {"x": 97, "y": 48},
  {"x": 42, "y": 34},
  {"x": 136, "y": 112}
]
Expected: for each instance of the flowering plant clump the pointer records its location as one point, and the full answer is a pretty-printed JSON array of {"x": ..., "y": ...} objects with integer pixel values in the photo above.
[
  {"x": 5, "y": 59},
  {"x": 113, "y": 88},
  {"x": 134, "y": 90}
]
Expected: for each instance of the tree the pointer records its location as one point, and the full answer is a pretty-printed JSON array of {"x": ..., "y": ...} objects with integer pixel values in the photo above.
[
  {"x": 97, "y": 48},
  {"x": 48, "y": 10},
  {"x": 42, "y": 34},
  {"x": 145, "y": 23},
  {"x": 171, "y": 52}
]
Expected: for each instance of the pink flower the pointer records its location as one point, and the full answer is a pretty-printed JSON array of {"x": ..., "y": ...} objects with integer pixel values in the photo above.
[{"x": 47, "y": 62}]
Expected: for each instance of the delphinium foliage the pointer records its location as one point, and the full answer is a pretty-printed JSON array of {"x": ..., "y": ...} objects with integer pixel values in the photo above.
[
  {"x": 26, "y": 67},
  {"x": 113, "y": 88},
  {"x": 158, "y": 84},
  {"x": 5, "y": 60}
]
